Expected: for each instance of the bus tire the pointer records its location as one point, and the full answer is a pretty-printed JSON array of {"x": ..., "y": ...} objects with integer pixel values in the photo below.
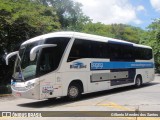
[
  {"x": 138, "y": 81},
  {"x": 74, "y": 92},
  {"x": 51, "y": 99}
]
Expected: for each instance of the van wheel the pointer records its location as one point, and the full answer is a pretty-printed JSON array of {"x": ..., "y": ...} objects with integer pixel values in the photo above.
[
  {"x": 74, "y": 92},
  {"x": 138, "y": 82}
]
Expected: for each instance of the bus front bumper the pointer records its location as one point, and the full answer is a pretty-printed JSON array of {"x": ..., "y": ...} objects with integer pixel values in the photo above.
[{"x": 23, "y": 92}]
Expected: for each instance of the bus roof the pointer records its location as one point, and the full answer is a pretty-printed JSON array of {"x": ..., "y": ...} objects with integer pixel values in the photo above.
[{"x": 81, "y": 36}]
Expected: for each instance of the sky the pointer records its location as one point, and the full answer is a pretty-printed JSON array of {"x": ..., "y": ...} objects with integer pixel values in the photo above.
[{"x": 139, "y": 13}]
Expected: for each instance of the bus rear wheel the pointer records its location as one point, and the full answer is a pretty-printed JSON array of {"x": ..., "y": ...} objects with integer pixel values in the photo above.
[
  {"x": 74, "y": 92},
  {"x": 138, "y": 82}
]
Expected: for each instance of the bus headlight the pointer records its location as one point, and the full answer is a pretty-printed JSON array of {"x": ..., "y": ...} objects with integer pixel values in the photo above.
[{"x": 30, "y": 85}]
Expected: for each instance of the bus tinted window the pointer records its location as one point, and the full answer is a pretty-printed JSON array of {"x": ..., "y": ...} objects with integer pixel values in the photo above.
[
  {"x": 143, "y": 53},
  {"x": 88, "y": 49},
  {"x": 100, "y": 49},
  {"x": 149, "y": 54},
  {"x": 80, "y": 49},
  {"x": 51, "y": 57},
  {"x": 120, "y": 52},
  {"x": 115, "y": 52}
]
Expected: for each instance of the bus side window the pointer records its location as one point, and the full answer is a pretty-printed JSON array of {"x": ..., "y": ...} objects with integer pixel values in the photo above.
[
  {"x": 148, "y": 54},
  {"x": 80, "y": 49},
  {"x": 96, "y": 49},
  {"x": 114, "y": 53}
]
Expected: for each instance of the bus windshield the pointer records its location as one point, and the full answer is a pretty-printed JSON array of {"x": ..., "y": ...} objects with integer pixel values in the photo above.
[
  {"x": 47, "y": 59},
  {"x": 24, "y": 68}
]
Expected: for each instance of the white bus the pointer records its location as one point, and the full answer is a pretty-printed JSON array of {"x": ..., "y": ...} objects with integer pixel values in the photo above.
[{"x": 71, "y": 63}]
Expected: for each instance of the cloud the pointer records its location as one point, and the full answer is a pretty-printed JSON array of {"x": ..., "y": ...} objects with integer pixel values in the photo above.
[
  {"x": 140, "y": 8},
  {"x": 111, "y": 11},
  {"x": 155, "y": 4}
]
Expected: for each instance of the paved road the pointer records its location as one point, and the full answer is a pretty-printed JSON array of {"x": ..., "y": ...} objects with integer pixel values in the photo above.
[{"x": 146, "y": 98}]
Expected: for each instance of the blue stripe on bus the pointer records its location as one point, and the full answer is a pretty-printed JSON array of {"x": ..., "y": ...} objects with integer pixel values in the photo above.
[{"x": 120, "y": 65}]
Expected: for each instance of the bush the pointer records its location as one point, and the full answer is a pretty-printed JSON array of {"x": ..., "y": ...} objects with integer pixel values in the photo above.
[
  {"x": 157, "y": 68},
  {"x": 5, "y": 89}
]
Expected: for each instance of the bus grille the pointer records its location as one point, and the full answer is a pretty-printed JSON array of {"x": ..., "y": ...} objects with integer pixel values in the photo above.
[{"x": 19, "y": 88}]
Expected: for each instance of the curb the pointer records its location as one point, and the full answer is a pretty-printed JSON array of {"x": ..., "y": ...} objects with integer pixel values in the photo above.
[{"x": 5, "y": 95}]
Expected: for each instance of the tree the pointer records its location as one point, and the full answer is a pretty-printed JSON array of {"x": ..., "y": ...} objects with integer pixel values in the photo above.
[
  {"x": 19, "y": 21},
  {"x": 152, "y": 38},
  {"x": 22, "y": 19},
  {"x": 69, "y": 13},
  {"x": 127, "y": 32},
  {"x": 118, "y": 31},
  {"x": 98, "y": 29}
]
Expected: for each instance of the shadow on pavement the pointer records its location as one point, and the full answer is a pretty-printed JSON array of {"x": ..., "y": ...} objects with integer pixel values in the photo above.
[{"x": 64, "y": 101}]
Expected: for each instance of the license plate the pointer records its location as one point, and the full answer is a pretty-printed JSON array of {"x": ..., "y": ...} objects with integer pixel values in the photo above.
[{"x": 18, "y": 94}]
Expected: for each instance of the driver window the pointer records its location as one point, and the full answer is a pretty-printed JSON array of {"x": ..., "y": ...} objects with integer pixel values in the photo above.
[
  {"x": 50, "y": 57},
  {"x": 47, "y": 63}
]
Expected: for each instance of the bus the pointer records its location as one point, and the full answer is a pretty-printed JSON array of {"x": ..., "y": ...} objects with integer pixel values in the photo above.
[{"x": 71, "y": 64}]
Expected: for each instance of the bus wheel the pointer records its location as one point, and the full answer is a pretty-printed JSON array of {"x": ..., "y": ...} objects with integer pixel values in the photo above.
[
  {"x": 74, "y": 92},
  {"x": 51, "y": 99},
  {"x": 138, "y": 82}
]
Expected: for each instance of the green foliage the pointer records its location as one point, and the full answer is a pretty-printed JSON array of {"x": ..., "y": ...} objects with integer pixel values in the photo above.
[
  {"x": 126, "y": 32},
  {"x": 97, "y": 29},
  {"x": 19, "y": 21},
  {"x": 118, "y": 31},
  {"x": 69, "y": 13},
  {"x": 5, "y": 89},
  {"x": 152, "y": 38},
  {"x": 22, "y": 19}
]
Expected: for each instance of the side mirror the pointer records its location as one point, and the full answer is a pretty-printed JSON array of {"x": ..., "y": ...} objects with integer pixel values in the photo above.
[
  {"x": 10, "y": 55},
  {"x": 36, "y": 48}
]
